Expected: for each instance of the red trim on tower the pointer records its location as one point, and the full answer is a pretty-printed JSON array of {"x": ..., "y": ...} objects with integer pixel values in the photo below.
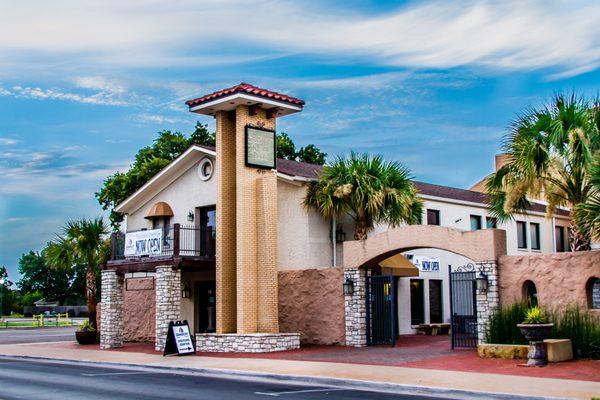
[{"x": 249, "y": 89}]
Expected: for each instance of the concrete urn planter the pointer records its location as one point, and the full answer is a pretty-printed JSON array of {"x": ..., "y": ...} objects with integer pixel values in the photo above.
[
  {"x": 85, "y": 337},
  {"x": 535, "y": 334}
]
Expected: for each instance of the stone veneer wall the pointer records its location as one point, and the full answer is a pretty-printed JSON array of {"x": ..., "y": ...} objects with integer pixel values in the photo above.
[
  {"x": 560, "y": 278},
  {"x": 111, "y": 333},
  {"x": 168, "y": 302},
  {"x": 311, "y": 302},
  {"x": 355, "y": 309},
  {"x": 488, "y": 300},
  {"x": 246, "y": 343}
]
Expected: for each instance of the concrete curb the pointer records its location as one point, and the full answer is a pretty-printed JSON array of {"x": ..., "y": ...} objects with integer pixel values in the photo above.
[{"x": 354, "y": 384}]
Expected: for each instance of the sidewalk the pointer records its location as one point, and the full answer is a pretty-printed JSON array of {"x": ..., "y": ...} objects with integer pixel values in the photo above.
[{"x": 372, "y": 376}]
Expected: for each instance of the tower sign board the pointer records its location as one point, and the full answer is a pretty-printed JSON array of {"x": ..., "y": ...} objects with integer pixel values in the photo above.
[{"x": 260, "y": 147}]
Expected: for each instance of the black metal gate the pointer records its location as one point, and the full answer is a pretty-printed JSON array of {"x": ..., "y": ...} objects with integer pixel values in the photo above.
[
  {"x": 463, "y": 309},
  {"x": 381, "y": 310}
]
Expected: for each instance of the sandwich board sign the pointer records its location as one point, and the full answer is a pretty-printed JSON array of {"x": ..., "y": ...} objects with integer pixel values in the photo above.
[{"x": 179, "y": 340}]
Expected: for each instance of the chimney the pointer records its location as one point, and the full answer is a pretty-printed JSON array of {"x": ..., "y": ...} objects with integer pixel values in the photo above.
[{"x": 501, "y": 160}]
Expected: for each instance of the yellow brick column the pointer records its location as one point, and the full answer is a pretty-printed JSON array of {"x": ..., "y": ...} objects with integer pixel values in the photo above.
[
  {"x": 266, "y": 224},
  {"x": 226, "y": 222},
  {"x": 248, "y": 235}
]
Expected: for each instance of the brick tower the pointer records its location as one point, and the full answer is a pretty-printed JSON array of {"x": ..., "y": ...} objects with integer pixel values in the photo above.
[{"x": 246, "y": 249}]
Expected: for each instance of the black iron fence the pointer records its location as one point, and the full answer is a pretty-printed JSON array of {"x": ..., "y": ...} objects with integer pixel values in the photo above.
[{"x": 177, "y": 240}]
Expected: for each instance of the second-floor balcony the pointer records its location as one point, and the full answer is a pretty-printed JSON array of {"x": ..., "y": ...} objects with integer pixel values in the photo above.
[{"x": 172, "y": 241}]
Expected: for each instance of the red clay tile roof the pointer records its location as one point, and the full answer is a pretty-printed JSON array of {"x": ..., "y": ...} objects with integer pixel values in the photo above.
[{"x": 245, "y": 88}]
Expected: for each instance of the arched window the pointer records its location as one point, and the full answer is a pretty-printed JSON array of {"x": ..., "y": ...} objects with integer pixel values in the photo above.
[
  {"x": 592, "y": 290},
  {"x": 530, "y": 293}
]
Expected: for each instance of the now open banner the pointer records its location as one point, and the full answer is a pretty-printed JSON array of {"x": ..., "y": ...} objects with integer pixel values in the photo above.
[{"x": 143, "y": 243}]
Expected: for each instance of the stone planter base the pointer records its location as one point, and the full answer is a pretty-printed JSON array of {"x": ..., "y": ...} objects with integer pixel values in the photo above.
[{"x": 246, "y": 343}]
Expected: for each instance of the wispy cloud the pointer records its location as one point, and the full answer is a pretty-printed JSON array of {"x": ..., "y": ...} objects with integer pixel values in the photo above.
[
  {"x": 513, "y": 35},
  {"x": 38, "y": 93},
  {"x": 8, "y": 141}
]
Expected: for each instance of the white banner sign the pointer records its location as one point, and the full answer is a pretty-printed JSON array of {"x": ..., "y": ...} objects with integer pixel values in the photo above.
[
  {"x": 143, "y": 243},
  {"x": 427, "y": 264}
]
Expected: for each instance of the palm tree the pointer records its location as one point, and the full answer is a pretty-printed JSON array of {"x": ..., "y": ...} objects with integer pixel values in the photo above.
[
  {"x": 368, "y": 188},
  {"x": 588, "y": 213},
  {"x": 549, "y": 155},
  {"x": 82, "y": 242}
]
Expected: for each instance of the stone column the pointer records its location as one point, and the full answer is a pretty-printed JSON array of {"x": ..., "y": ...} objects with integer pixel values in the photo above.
[
  {"x": 355, "y": 309},
  {"x": 168, "y": 302},
  {"x": 111, "y": 317},
  {"x": 487, "y": 300}
]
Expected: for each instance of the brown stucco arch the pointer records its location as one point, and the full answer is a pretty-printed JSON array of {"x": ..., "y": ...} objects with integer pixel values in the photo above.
[{"x": 480, "y": 246}]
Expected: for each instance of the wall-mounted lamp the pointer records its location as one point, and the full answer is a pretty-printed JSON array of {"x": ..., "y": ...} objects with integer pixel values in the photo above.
[
  {"x": 482, "y": 281},
  {"x": 348, "y": 287},
  {"x": 185, "y": 291},
  {"x": 190, "y": 216}
]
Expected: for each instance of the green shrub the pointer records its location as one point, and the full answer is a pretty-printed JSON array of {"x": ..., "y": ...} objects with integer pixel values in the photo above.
[
  {"x": 582, "y": 328},
  {"x": 503, "y": 325},
  {"x": 535, "y": 315},
  {"x": 86, "y": 326}
]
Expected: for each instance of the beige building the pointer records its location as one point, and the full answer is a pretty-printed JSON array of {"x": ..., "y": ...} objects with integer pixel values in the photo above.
[{"x": 214, "y": 233}]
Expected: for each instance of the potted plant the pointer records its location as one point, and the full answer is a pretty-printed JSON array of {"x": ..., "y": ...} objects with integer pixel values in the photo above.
[
  {"x": 536, "y": 327},
  {"x": 86, "y": 334}
]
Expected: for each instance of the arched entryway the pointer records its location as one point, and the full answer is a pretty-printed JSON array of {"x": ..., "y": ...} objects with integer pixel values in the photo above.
[{"x": 362, "y": 258}]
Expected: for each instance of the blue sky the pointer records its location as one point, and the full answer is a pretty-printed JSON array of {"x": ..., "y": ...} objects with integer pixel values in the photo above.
[{"x": 432, "y": 84}]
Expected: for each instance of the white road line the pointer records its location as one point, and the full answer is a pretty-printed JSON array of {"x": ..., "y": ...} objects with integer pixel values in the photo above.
[
  {"x": 277, "y": 394},
  {"x": 119, "y": 373}
]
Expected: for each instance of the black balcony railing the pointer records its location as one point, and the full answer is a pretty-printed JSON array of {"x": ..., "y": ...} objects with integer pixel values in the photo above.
[{"x": 177, "y": 240}]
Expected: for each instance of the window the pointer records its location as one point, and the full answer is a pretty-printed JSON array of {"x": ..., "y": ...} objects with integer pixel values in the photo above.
[
  {"x": 417, "y": 308},
  {"x": 433, "y": 217},
  {"x": 522, "y": 234},
  {"x": 535, "y": 235},
  {"x": 475, "y": 222},
  {"x": 435, "y": 301},
  {"x": 491, "y": 222},
  {"x": 592, "y": 289},
  {"x": 559, "y": 236},
  {"x": 530, "y": 293}
]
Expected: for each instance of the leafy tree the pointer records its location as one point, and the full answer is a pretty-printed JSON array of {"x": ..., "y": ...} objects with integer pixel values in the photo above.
[
  {"x": 53, "y": 284},
  {"x": 588, "y": 213},
  {"x": 550, "y": 152},
  {"x": 148, "y": 162},
  {"x": 286, "y": 148},
  {"x": 4, "y": 288},
  {"x": 31, "y": 297},
  {"x": 368, "y": 188},
  {"x": 311, "y": 154},
  {"x": 82, "y": 242}
]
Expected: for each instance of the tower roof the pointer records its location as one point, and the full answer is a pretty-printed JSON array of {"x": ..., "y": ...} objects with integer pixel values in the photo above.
[{"x": 247, "y": 94}]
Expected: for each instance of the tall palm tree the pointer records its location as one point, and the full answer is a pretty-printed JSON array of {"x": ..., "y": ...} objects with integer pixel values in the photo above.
[
  {"x": 588, "y": 213},
  {"x": 549, "y": 155},
  {"x": 368, "y": 188},
  {"x": 82, "y": 242}
]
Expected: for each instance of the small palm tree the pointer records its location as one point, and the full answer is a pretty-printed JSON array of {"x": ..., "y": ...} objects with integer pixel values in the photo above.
[
  {"x": 82, "y": 242},
  {"x": 550, "y": 152},
  {"x": 588, "y": 213},
  {"x": 368, "y": 188}
]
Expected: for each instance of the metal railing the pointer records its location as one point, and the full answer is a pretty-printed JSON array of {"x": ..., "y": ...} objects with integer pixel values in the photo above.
[{"x": 177, "y": 240}]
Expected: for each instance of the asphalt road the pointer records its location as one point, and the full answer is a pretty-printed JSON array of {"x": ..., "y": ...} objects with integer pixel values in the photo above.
[
  {"x": 28, "y": 379},
  {"x": 14, "y": 336}
]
